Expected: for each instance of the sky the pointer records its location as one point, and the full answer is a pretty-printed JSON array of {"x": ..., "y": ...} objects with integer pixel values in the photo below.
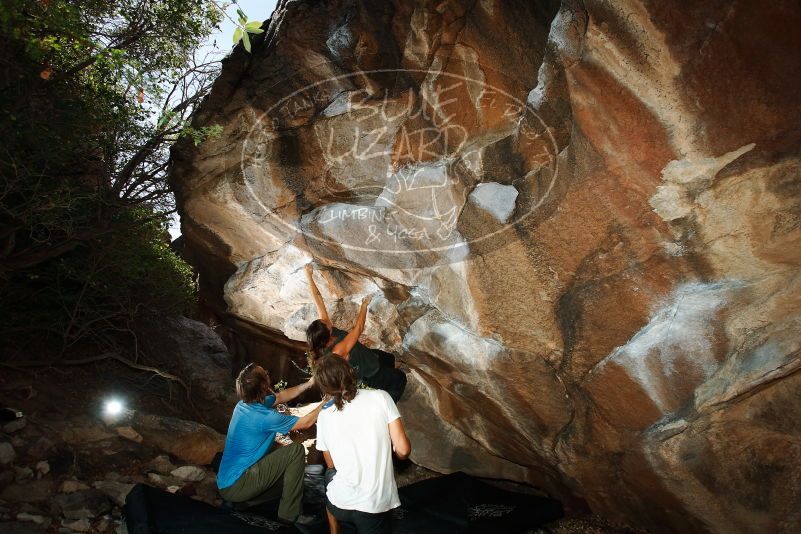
[{"x": 219, "y": 44}]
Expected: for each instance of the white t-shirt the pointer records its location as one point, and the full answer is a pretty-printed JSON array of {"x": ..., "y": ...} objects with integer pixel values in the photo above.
[{"x": 357, "y": 437}]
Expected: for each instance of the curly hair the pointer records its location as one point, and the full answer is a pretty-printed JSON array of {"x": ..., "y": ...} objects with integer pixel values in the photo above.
[{"x": 334, "y": 376}]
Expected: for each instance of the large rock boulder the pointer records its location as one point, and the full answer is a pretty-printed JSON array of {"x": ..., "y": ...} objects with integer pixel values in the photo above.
[
  {"x": 187, "y": 440},
  {"x": 198, "y": 356},
  {"x": 581, "y": 224}
]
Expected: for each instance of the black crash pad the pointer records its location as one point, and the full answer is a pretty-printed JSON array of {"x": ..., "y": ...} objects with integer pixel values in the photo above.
[{"x": 454, "y": 503}]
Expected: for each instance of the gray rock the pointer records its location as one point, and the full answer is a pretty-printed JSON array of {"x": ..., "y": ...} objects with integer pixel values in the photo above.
[
  {"x": 162, "y": 464},
  {"x": 191, "y": 442},
  {"x": 15, "y": 425},
  {"x": 103, "y": 525},
  {"x": 194, "y": 352},
  {"x": 80, "y": 525},
  {"x": 82, "y": 504},
  {"x": 189, "y": 473},
  {"x": 41, "y": 448},
  {"x": 31, "y": 491},
  {"x": 162, "y": 480},
  {"x": 21, "y": 527},
  {"x": 42, "y": 467},
  {"x": 129, "y": 433},
  {"x": 22, "y": 473},
  {"x": 7, "y": 453},
  {"x": 82, "y": 430},
  {"x": 117, "y": 491},
  {"x": 71, "y": 486},
  {"x": 38, "y": 519},
  {"x": 30, "y": 508}
]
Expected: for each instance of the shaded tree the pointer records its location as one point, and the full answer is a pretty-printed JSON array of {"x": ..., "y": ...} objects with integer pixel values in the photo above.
[{"x": 92, "y": 95}]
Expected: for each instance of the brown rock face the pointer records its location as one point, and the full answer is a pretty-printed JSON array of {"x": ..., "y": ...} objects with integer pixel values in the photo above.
[
  {"x": 581, "y": 224},
  {"x": 189, "y": 441}
]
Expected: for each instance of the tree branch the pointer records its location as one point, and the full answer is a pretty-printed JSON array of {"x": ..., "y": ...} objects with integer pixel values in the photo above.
[{"x": 116, "y": 357}]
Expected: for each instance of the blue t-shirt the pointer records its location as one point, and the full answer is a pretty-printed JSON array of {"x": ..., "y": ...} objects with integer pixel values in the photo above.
[{"x": 250, "y": 434}]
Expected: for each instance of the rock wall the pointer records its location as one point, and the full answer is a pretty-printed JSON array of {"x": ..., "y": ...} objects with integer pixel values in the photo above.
[{"x": 580, "y": 223}]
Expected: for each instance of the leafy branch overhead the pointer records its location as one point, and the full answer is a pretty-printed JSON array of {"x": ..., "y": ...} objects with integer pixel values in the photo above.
[
  {"x": 93, "y": 94},
  {"x": 244, "y": 28}
]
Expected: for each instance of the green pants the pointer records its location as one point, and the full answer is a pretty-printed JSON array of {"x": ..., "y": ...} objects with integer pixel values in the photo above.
[{"x": 278, "y": 473}]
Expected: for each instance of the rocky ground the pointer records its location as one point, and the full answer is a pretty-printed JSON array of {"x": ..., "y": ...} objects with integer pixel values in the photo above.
[{"x": 66, "y": 467}]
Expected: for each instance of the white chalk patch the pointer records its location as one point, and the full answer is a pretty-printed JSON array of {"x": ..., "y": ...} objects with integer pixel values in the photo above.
[
  {"x": 339, "y": 106},
  {"x": 673, "y": 200},
  {"x": 496, "y": 199},
  {"x": 435, "y": 334},
  {"x": 672, "y": 248},
  {"x": 447, "y": 288},
  {"x": 680, "y": 328}
]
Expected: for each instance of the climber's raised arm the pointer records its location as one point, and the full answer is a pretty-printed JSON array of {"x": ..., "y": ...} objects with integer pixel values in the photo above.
[
  {"x": 318, "y": 299},
  {"x": 344, "y": 347}
]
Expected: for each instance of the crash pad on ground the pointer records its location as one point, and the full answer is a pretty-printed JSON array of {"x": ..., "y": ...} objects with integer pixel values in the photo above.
[{"x": 453, "y": 503}]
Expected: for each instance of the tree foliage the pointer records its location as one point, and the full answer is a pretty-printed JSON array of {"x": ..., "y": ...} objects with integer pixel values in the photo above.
[
  {"x": 92, "y": 95},
  {"x": 245, "y": 28}
]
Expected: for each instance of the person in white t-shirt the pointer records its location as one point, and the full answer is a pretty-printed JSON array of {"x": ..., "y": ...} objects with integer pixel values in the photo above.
[{"x": 357, "y": 436}]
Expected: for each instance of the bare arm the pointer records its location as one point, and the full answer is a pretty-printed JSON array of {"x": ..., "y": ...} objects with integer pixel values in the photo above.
[
  {"x": 288, "y": 394},
  {"x": 344, "y": 347},
  {"x": 310, "y": 418},
  {"x": 328, "y": 460},
  {"x": 318, "y": 299},
  {"x": 400, "y": 441}
]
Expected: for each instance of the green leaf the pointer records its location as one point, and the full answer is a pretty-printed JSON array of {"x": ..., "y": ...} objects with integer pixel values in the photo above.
[
  {"x": 253, "y": 25},
  {"x": 246, "y": 41},
  {"x": 237, "y": 35},
  {"x": 240, "y": 13}
]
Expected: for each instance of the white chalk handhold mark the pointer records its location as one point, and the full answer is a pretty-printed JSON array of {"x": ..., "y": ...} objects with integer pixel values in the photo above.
[
  {"x": 496, "y": 199},
  {"x": 672, "y": 199},
  {"x": 681, "y": 328}
]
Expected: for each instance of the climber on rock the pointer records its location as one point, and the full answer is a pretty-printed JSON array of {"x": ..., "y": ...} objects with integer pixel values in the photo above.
[
  {"x": 252, "y": 470},
  {"x": 374, "y": 368}
]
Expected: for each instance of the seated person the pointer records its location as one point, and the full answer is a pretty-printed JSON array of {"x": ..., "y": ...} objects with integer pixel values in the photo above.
[
  {"x": 357, "y": 436},
  {"x": 252, "y": 470},
  {"x": 375, "y": 368}
]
